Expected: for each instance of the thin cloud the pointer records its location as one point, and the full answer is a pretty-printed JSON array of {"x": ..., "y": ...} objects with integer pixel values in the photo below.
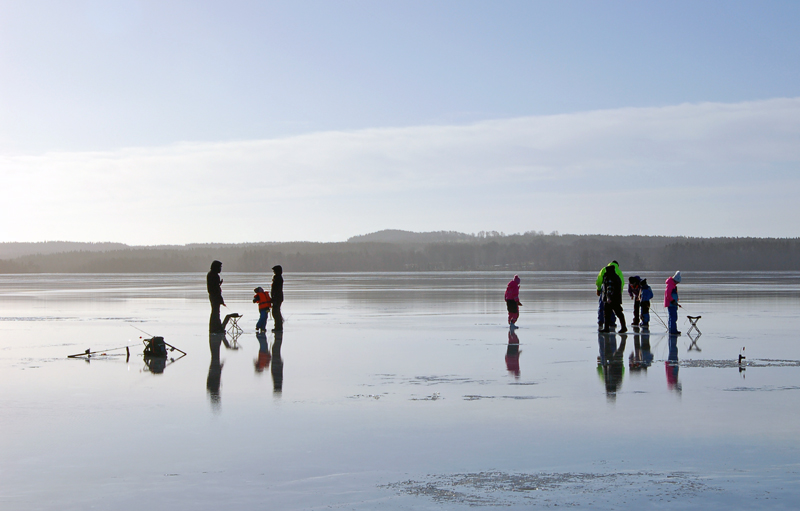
[{"x": 513, "y": 172}]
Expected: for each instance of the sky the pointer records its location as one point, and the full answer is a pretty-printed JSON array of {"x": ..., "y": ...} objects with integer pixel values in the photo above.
[{"x": 171, "y": 122}]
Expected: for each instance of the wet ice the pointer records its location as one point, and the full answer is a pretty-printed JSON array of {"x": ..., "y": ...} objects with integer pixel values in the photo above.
[{"x": 395, "y": 393}]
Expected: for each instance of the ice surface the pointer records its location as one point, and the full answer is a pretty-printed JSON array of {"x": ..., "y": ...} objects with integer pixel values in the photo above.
[{"x": 396, "y": 391}]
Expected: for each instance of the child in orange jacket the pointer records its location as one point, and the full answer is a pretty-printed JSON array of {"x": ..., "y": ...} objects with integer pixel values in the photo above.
[{"x": 264, "y": 303}]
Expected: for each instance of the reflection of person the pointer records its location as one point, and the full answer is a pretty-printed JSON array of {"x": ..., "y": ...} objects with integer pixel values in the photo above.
[
  {"x": 671, "y": 364},
  {"x": 276, "y": 290},
  {"x": 214, "y": 379},
  {"x": 263, "y": 352},
  {"x": 641, "y": 358},
  {"x": 512, "y": 354},
  {"x": 263, "y": 300},
  {"x": 277, "y": 363},
  {"x": 610, "y": 366},
  {"x": 609, "y": 288},
  {"x": 671, "y": 302},
  {"x": 512, "y": 301},
  {"x": 214, "y": 286}
]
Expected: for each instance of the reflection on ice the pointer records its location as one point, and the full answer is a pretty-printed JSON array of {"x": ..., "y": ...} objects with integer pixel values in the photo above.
[
  {"x": 394, "y": 377},
  {"x": 672, "y": 365},
  {"x": 512, "y": 354},
  {"x": 277, "y": 363},
  {"x": 214, "y": 379},
  {"x": 610, "y": 365},
  {"x": 641, "y": 357}
]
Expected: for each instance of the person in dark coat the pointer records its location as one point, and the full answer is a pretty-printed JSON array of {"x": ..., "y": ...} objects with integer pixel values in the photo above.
[
  {"x": 276, "y": 291},
  {"x": 214, "y": 286},
  {"x": 612, "y": 282}
]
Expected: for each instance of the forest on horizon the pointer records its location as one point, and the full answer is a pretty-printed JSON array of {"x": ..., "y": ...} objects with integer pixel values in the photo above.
[{"x": 391, "y": 250}]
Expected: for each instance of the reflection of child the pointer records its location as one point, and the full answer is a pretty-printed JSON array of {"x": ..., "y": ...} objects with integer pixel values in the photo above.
[
  {"x": 264, "y": 302},
  {"x": 264, "y": 357},
  {"x": 512, "y": 354},
  {"x": 512, "y": 301}
]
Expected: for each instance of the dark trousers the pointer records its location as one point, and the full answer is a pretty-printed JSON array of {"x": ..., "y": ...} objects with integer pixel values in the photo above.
[
  {"x": 261, "y": 324},
  {"x": 672, "y": 311},
  {"x": 601, "y": 311},
  {"x": 645, "y": 313},
  {"x": 277, "y": 317},
  {"x": 214, "y": 322},
  {"x": 612, "y": 309},
  {"x": 636, "y": 306},
  {"x": 513, "y": 311}
]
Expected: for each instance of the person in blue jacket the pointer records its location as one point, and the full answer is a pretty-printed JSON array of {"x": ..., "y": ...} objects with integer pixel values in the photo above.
[
  {"x": 633, "y": 293},
  {"x": 645, "y": 295}
]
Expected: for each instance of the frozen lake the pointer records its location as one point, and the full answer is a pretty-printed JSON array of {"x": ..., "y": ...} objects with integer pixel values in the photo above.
[{"x": 397, "y": 391}]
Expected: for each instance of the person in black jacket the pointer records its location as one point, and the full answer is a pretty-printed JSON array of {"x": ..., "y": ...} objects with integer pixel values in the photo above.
[
  {"x": 276, "y": 291},
  {"x": 612, "y": 296},
  {"x": 214, "y": 286}
]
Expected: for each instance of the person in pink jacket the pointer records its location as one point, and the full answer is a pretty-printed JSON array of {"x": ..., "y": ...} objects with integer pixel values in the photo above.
[
  {"x": 512, "y": 301},
  {"x": 671, "y": 302}
]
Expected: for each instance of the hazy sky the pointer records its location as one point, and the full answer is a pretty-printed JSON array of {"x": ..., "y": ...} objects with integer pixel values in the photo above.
[{"x": 176, "y": 122}]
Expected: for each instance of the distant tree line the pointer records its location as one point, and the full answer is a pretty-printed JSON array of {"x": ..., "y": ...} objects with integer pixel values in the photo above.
[{"x": 529, "y": 251}]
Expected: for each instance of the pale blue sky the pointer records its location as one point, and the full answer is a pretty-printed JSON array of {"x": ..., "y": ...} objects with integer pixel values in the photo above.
[{"x": 95, "y": 82}]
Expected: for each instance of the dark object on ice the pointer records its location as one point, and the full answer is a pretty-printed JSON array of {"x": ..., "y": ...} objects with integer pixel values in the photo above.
[
  {"x": 156, "y": 354},
  {"x": 741, "y": 356},
  {"x": 155, "y": 347}
]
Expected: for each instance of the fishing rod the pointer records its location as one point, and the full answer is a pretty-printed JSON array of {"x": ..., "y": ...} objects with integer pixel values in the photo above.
[
  {"x": 659, "y": 318},
  {"x": 139, "y": 329},
  {"x": 88, "y": 353},
  {"x": 145, "y": 341}
]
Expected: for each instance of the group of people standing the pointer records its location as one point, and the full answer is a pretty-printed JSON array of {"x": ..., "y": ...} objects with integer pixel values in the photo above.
[
  {"x": 265, "y": 300},
  {"x": 610, "y": 283}
]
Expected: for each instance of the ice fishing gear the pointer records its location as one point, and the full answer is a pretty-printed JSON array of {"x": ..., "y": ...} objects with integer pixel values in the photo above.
[
  {"x": 89, "y": 353},
  {"x": 155, "y": 347},
  {"x": 156, "y": 354},
  {"x": 659, "y": 319},
  {"x": 139, "y": 329},
  {"x": 742, "y": 363},
  {"x": 232, "y": 322}
]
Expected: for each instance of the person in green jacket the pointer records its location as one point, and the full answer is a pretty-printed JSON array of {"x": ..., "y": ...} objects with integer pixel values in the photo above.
[{"x": 609, "y": 291}]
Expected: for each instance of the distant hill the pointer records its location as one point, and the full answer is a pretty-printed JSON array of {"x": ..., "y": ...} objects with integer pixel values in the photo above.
[
  {"x": 434, "y": 251},
  {"x": 12, "y": 250},
  {"x": 397, "y": 236}
]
